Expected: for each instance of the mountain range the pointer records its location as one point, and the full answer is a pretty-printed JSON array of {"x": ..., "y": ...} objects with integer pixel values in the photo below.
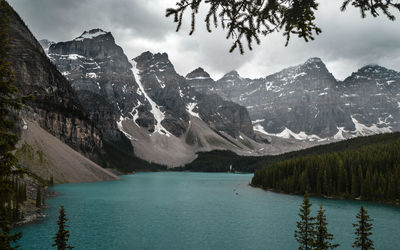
[
  {"x": 164, "y": 117},
  {"x": 129, "y": 113},
  {"x": 169, "y": 118},
  {"x": 306, "y": 102}
]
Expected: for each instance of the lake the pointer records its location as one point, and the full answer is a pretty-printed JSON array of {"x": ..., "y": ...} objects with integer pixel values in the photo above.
[{"x": 169, "y": 210}]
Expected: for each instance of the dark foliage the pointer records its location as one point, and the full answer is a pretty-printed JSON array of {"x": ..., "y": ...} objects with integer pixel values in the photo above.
[
  {"x": 370, "y": 171},
  {"x": 248, "y": 19},
  {"x": 363, "y": 231},
  {"x": 322, "y": 239},
  {"x": 38, "y": 196},
  {"x": 305, "y": 232},
  {"x": 119, "y": 155},
  {"x": 9, "y": 102},
  {"x": 62, "y": 236},
  {"x": 220, "y": 161}
]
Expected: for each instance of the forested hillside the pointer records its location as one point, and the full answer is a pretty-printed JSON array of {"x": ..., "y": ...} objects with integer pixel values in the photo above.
[
  {"x": 366, "y": 168},
  {"x": 220, "y": 161}
]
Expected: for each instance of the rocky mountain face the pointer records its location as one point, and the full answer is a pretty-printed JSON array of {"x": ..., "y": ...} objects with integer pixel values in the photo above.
[
  {"x": 306, "y": 102},
  {"x": 101, "y": 75},
  {"x": 145, "y": 99},
  {"x": 201, "y": 81},
  {"x": 371, "y": 97},
  {"x": 180, "y": 101},
  {"x": 55, "y": 105},
  {"x": 46, "y": 44}
]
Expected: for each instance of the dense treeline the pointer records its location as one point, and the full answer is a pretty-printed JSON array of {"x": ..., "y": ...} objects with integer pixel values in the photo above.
[
  {"x": 13, "y": 204},
  {"x": 220, "y": 161},
  {"x": 371, "y": 172},
  {"x": 124, "y": 160}
]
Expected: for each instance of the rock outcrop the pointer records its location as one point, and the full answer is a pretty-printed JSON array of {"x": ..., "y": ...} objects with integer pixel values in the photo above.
[
  {"x": 143, "y": 97},
  {"x": 53, "y": 111},
  {"x": 101, "y": 75},
  {"x": 306, "y": 102},
  {"x": 54, "y": 102},
  {"x": 371, "y": 98}
]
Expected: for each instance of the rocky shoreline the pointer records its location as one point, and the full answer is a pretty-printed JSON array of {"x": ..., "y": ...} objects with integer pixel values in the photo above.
[{"x": 30, "y": 211}]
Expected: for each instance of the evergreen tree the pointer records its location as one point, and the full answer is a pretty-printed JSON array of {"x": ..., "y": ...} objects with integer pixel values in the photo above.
[
  {"x": 62, "y": 236},
  {"x": 363, "y": 168},
  {"x": 8, "y": 138},
  {"x": 247, "y": 20},
  {"x": 38, "y": 197},
  {"x": 305, "y": 232},
  {"x": 363, "y": 231},
  {"x": 51, "y": 181},
  {"x": 322, "y": 237}
]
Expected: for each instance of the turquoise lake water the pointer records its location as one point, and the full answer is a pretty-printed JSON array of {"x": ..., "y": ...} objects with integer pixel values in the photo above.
[{"x": 194, "y": 211}]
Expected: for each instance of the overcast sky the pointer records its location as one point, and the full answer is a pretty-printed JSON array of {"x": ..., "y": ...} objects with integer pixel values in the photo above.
[{"x": 346, "y": 44}]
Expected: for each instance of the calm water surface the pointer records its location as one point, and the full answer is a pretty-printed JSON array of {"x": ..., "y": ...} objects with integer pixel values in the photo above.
[{"x": 194, "y": 211}]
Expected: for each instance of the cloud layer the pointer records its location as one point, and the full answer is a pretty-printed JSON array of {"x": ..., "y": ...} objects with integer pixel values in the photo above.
[{"x": 346, "y": 44}]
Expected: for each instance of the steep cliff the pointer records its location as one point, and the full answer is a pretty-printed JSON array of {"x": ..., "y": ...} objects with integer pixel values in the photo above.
[
  {"x": 176, "y": 94},
  {"x": 148, "y": 101},
  {"x": 54, "y": 101},
  {"x": 306, "y": 102},
  {"x": 372, "y": 99},
  {"x": 55, "y": 116}
]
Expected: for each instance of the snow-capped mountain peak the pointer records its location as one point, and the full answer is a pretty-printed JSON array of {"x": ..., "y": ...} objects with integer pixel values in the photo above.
[
  {"x": 374, "y": 74},
  {"x": 91, "y": 34},
  {"x": 307, "y": 98}
]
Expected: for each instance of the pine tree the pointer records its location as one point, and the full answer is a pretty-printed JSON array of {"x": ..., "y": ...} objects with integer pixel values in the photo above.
[
  {"x": 363, "y": 231},
  {"x": 8, "y": 138},
  {"x": 322, "y": 237},
  {"x": 62, "y": 236},
  {"x": 247, "y": 20},
  {"x": 38, "y": 197},
  {"x": 305, "y": 232}
]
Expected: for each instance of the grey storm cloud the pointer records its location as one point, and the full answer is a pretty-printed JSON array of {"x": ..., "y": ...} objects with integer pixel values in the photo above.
[
  {"x": 60, "y": 18},
  {"x": 347, "y": 43}
]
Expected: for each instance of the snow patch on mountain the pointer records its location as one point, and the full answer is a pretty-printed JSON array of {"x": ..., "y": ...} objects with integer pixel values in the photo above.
[
  {"x": 135, "y": 112},
  {"x": 287, "y": 134},
  {"x": 155, "y": 110},
  {"x": 257, "y": 121},
  {"x": 68, "y": 57},
  {"x": 180, "y": 92},
  {"x": 198, "y": 78},
  {"x": 362, "y": 130},
  {"x": 302, "y": 136},
  {"x": 90, "y": 34},
  {"x": 91, "y": 75},
  {"x": 121, "y": 128},
  {"x": 299, "y": 75},
  {"x": 190, "y": 107},
  {"x": 339, "y": 135},
  {"x": 260, "y": 128},
  {"x": 162, "y": 85}
]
